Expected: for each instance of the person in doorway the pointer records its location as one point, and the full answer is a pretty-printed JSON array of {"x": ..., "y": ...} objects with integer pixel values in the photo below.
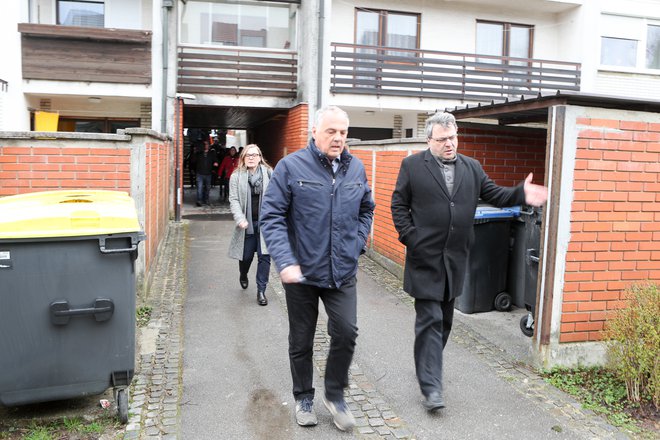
[
  {"x": 246, "y": 188},
  {"x": 205, "y": 160},
  {"x": 228, "y": 165},
  {"x": 315, "y": 218},
  {"x": 433, "y": 207}
]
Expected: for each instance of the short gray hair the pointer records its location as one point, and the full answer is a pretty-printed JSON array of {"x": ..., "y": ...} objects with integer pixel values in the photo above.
[
  {"x": 320, "y": 113},
  {"x": 441, "y": 118}
]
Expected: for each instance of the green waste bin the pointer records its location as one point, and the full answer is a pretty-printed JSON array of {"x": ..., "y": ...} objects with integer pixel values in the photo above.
[{"x": 67, "y": 296}]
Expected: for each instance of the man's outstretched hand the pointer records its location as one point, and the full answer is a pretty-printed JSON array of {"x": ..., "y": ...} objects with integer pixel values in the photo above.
[{"x": 535, "y": 195}]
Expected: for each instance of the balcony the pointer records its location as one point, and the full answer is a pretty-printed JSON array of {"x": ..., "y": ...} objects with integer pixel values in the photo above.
[
  {"x": 71, "y": 53},
  {"x": 237, "y": 71},
  {"x": 419, "y": 73}
]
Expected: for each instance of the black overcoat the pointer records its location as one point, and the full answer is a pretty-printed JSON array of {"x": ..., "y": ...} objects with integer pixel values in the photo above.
[{"x": 438, "y": 228}]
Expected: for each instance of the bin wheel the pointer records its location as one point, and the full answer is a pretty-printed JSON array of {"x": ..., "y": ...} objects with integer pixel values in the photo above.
[
  {"x": 527, "y": 330},
  {"x": 503, "y": 302},
  {"x": 122, "y": 405}
]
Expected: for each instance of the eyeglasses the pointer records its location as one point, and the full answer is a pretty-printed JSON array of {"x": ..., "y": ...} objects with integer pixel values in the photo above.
[
  {"x": 253, "y": 155},
  {"x": 442, "y": 140}
]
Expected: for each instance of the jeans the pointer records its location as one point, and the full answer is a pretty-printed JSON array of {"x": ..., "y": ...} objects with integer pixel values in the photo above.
[
  {"x": 251, "y": 245},
  {"x": 302, "y": 302},
  {"x": 203, "y": 188}
]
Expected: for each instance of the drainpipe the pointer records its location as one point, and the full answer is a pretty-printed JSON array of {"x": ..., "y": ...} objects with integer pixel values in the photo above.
[
  {"x": 167, "y": 5},
  {"x": 319, "y": 80},
  {"x": 177, "y": 159}
]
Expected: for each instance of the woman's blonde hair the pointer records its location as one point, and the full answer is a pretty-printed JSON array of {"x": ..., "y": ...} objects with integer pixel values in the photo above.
[{"x": 241, "y": 158}]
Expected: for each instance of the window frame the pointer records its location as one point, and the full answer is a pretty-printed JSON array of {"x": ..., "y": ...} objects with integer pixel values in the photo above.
[
  {"x": 636, "y": 30},
  {"x": 506, "y": 37},
  {"x": 382, "y": 26},
  {"x": 105, "y": 121},
  {"x": 57, "y": 11}
]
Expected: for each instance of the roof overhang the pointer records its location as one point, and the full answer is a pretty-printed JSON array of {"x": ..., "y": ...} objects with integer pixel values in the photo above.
[{"x": 535, "y": 110}]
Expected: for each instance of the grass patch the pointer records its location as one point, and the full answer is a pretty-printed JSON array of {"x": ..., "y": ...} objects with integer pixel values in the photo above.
[
  {"x": 66, "y": 428},
  {"x": 143, "y": 315},
  {"x": 601, "y": 391}
]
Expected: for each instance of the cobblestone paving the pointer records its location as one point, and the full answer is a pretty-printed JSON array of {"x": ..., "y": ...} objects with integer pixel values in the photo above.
[{"x": 157, "y": 388}]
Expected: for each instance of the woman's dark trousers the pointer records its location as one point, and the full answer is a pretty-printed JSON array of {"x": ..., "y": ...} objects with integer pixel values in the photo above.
[{"x": 251, "y": 245}]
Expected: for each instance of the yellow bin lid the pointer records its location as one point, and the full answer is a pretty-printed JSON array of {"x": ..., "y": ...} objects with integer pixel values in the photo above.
[{"x": 69, "y": 213}]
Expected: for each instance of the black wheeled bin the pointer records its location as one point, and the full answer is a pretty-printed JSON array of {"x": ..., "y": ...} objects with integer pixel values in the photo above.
[
  {"x": 486, "y": 274},
  {"x": 67, "y": 296},
  {"x": 530, "y": 263}
]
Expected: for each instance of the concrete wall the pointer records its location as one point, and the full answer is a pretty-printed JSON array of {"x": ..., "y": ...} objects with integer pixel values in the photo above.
[{"x": 137, "y": 161}]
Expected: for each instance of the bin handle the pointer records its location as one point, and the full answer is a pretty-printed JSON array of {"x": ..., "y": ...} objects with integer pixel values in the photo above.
[
  {"x": 134, "y": 244},
  {"x": 532, "y": 257},
  {"x": 61, "y": 312}
]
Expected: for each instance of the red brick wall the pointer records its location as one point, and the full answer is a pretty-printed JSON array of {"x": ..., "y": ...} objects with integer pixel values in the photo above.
[
  {"x": 282, "y": 136},
  {"x": 43, "y": 167},
  {"x": 157, "y": 197},
  {"x": 615, "y": 222},
  {"x": 506, "y": 156}
]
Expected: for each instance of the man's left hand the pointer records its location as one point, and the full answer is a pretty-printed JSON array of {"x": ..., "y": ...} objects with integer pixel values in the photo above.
[{"x": 535, "y": 195}]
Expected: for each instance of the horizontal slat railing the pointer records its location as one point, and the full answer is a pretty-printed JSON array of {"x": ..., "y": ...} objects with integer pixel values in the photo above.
[
  {"x": 237, "y": 71},
  {"x": 421, "y": 73}
]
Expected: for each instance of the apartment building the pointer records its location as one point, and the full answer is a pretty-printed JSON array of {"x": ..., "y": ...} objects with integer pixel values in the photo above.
[{"x": 109, "y": 64}]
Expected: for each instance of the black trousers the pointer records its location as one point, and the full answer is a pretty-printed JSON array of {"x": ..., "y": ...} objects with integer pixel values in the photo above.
[
  {"x": 302, "y": 302},
  {"x": 433, "y": 323}
]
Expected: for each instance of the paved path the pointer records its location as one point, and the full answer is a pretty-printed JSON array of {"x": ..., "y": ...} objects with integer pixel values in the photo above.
[{"x": 214, "y": 364}]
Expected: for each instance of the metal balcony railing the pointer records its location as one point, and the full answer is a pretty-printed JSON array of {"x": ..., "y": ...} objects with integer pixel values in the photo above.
[
  {"x": 237, "y": 71},
  {"x": 374, "y": 70}
]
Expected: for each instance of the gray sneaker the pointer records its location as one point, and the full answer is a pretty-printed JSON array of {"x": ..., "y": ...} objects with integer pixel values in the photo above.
[
  {"x": 341, "y": 414},
  {"x": 305, "y": 415}
]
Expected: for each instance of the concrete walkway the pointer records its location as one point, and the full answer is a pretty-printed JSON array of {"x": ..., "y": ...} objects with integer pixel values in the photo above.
[{"x": 214, "y": 364}]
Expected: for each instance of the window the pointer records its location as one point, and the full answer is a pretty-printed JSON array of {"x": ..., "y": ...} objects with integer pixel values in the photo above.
[
  {"x": 618, "y": 52},
  {"x": 95, "y": 125},
  {"x": 387, "y": 28},
  {"x": 80, "y": 13},
  {"x": 504, "y": 40},
  {"x": 653, "y": 47},
  {"x": 247, "y": 23},
  {"x": 629, "y": 42}
]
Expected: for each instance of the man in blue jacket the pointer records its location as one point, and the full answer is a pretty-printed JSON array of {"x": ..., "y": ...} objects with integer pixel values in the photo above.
[{"x": 315, "y": 217}]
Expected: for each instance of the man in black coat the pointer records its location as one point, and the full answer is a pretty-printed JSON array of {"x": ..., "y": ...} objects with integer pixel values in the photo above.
[{"x": 433, "y": 207}]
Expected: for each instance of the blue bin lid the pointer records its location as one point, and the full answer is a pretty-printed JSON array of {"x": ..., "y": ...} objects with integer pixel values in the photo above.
[{"x": 485, "y": 212}]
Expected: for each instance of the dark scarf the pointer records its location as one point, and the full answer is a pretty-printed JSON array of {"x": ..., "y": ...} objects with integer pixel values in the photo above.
[{"x": 255, "y": 181}]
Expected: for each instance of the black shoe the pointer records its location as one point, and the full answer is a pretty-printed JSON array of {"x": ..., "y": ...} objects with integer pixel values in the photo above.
[
  {"x": 434, "y": 401},
  {"x": 244, "y": 281},
  {"x": 261, "y": 298},
  {"x": 198, "y": 204}
]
